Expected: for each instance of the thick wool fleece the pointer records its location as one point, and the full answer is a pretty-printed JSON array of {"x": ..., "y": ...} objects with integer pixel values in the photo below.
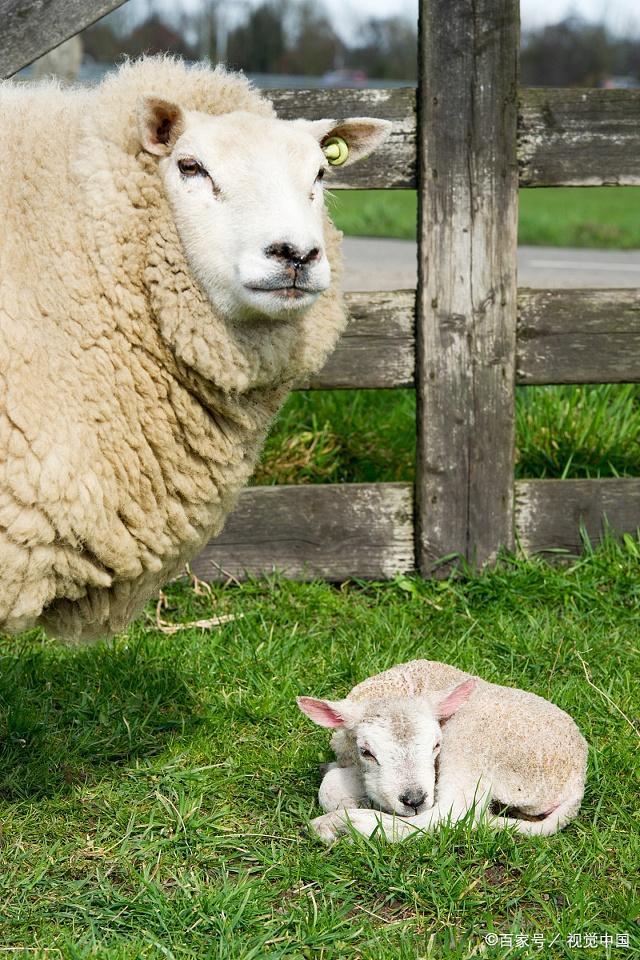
[{"x": 130, "y": 413}]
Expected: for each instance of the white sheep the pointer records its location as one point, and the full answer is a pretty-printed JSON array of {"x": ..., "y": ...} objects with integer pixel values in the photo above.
[
  {"x": 425, "y": 743},
  {"x": 167, "y": 272}
]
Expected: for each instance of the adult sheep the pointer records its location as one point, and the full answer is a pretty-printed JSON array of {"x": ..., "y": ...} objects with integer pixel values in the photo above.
[{"x": 167, "y": 272}]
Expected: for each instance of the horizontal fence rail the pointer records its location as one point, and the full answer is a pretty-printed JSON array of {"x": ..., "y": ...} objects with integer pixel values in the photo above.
[
  {"x": 563, "y": 336},
  {"x": 340, "y": 531},
  {"x": 579, "y": 137},
  {"x": 378, "y": 348},
  {"x": 578, "y": 336},
  {"x": 566, "y": 137},
  {"x": 333, "y": 531},
  {"x": 550, "y": 513}
]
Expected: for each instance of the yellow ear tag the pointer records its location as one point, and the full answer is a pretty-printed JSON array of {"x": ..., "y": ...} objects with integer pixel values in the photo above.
[{"x": 336, "y": 151}]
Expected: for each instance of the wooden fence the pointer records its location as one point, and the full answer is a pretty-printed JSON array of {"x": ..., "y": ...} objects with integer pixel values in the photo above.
[{"x": 467, "y": 141}]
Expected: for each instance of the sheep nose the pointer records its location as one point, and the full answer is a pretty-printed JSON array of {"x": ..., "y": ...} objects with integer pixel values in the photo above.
[
  {"x": 414, "y": 797},
  {"x": 291, "y": 255}
]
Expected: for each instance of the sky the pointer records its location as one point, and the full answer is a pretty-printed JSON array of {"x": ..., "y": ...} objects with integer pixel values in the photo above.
[{"x": 621, "y": 16}]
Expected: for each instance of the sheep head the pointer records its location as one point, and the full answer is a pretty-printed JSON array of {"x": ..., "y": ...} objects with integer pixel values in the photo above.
[
  {"x": 395, "y": 743},
  {"x": 247, "y": 197}
]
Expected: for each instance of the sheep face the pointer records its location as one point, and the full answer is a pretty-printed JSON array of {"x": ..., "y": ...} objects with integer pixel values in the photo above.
[
  {"x": 395, "y": 743},
  {"x": 246, "y": 194}
]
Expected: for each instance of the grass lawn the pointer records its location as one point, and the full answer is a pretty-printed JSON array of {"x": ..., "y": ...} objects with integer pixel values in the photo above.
[
  {"x": 606, "y": 217},
  {"x": 368, "y": 435},
  {"x": 153, "y": 788}
]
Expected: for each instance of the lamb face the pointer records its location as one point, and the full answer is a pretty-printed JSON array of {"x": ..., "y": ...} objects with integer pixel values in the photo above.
[
  {"x": 247, "y": 197},
  {"x": 395, "y": 743}
]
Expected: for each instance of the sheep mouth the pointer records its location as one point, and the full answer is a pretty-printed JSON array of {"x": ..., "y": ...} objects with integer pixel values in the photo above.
[{"x": 290, "y": 291}]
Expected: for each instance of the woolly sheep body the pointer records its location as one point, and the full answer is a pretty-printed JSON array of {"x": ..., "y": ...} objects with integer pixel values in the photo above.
[
  {"x": 503, "y": 745},
  {"x": 130, "y": 413}
]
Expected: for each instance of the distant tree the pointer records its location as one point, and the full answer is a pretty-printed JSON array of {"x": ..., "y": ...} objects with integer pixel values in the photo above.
[
  {"x": 105, "y": 43},
  {"x": 259, "y": 45},
  {"x": 201, "y": 27},
  {"x": 156, "y": 36},
  {"x": 626, "y": 58},
  {"x": 101, "y": 43},
  {"x": 569, "y": 53},
  {"x": 314, "y": 46},
  {"x": 389, "y": 49}
]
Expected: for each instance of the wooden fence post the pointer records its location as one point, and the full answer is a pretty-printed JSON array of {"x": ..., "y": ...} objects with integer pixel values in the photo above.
[{"x": 466, "y": 304}]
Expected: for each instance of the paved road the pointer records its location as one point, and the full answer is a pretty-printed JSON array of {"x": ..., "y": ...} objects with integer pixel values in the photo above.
[{"x": 377, "y": 264}]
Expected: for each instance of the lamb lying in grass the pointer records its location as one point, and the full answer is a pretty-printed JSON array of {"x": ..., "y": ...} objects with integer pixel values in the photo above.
[{"x": 426, "y": 743}]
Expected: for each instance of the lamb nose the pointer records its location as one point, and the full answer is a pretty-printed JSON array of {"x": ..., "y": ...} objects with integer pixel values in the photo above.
[
  {"x": 290, "y": 254},
  {"x": 413, "y": 798}
]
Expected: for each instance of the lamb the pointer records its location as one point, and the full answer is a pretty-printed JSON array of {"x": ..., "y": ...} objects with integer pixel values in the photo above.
[
  {"x": 426, "y": 743},
  {"x": 168, "y": 272}
]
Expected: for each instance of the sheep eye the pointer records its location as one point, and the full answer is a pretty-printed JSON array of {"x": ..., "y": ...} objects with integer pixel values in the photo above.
[
  {"x": 189, "y": 167},
  {"x": 320, "y": 174},
  {"x": 367, "y": 754}
]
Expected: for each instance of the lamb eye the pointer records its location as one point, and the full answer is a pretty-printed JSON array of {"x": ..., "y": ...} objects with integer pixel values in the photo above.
[
  {"x": 320, "y": 174},
  {"x": 189, "y": 167},
  {"x": 366, "y": 754}
]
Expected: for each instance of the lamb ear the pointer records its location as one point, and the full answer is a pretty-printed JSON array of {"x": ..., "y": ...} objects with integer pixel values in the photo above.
[
  {"x": 451, "y": 700},
  {"x": 362, "y": 135},
  {"x": 160, "y": 123},
  {"x": 329, "y": 713}
]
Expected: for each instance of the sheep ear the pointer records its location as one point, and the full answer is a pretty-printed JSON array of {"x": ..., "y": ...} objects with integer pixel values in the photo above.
[
  {"x": 361, "y": 135},
  {"x": 160, "y": 123},
  {"x": 451, "y": 701},
  {"x": 329, "y": 713}
]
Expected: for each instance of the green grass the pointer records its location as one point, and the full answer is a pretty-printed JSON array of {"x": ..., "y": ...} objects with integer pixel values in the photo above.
[
  {"x": 368, "y": 435},
  {"x": 331, "y": 436},
  {"x": 578, "y": 431},
  {"x": 154, "y": 789},
  {"x": 607, "y": 217},
  {"x": 375, "y": 213}
]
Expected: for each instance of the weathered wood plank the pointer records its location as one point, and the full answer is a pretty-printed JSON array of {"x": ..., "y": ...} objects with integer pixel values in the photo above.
[
  {"x": 579, "y": 137},
  {"x": 378, "y": 347},
  {"x": 578, "y": 336},
  {"x": 466, "y": 303},
  {"x": 333, "y": 532},
  {"x": 563, "y": 336},
  {"x": 394, "y": 164},
  {"x": 28, "y": 29},
  {"x": 565, "y": 136},
  {"x": 549, "y": 513},
  {"x": 340, "y": 531}
]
